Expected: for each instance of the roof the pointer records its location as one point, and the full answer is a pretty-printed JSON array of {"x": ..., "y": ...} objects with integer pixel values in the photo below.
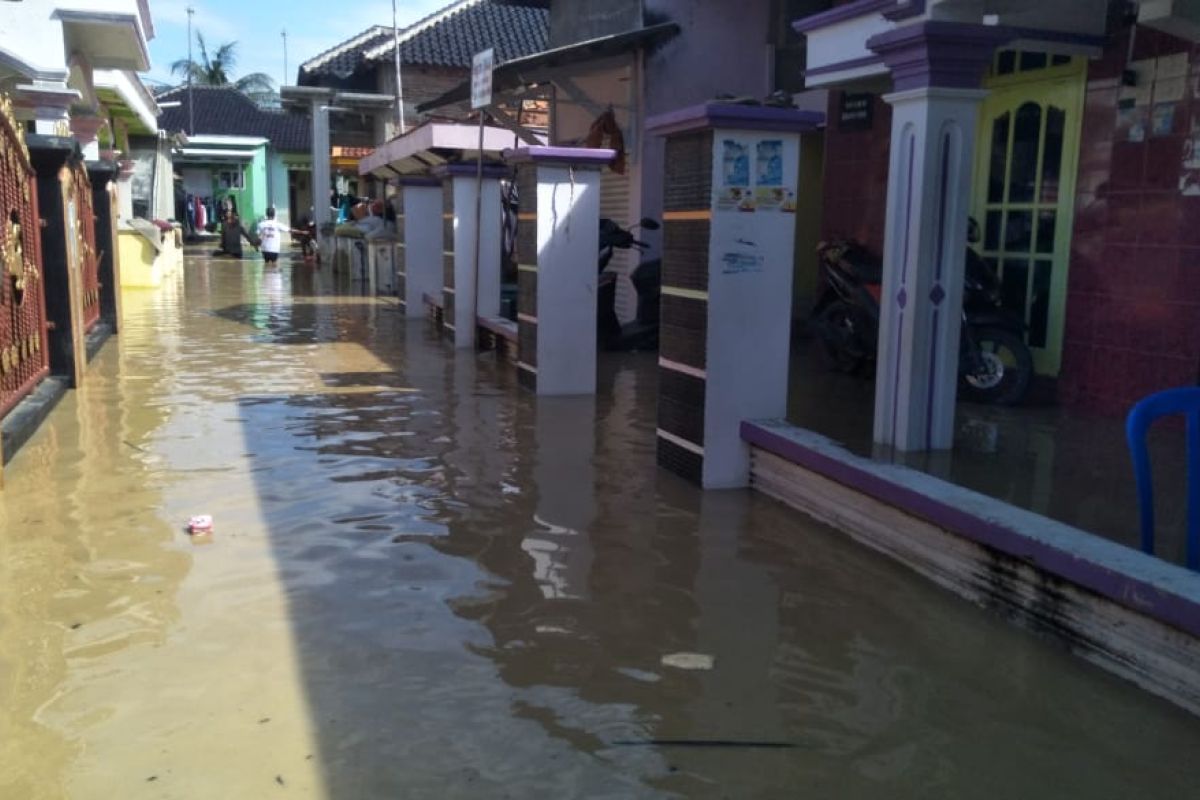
[
  {"x": 447, "y": 38},
  {"x": 521, "y": 71},
  {"x": 341, "y": 60},
  {"x": 225, "y": 111}
]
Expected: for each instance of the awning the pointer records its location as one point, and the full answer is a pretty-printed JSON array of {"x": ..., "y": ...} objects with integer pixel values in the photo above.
[
  {"x": 522, "y": 71},
  {"x": 213, "y": 155},
  {"x": 433, "y": 144}
]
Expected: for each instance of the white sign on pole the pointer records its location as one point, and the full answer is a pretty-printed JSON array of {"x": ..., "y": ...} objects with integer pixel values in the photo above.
[{"x": 481, "y": 78}]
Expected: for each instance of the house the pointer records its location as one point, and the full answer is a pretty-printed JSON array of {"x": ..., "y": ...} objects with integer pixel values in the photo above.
[
  {"x": 349, "y": 91},
  {"x": 70, "y": 99},
  {"x": 257, "y": 157}
]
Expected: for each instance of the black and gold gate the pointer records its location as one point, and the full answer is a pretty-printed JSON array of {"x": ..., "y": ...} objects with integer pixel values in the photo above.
[
  {"x": 23, "y": 353},
  {"x": 81, "y": 238}
]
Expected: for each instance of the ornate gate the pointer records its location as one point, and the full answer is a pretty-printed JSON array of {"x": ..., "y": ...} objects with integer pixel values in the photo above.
[
  {"x": 23, "y": 353},
  {"x": 81, "y": 238}
]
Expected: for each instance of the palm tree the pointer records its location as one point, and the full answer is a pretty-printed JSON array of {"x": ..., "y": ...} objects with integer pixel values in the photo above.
[{"x": 215, "y": 71}]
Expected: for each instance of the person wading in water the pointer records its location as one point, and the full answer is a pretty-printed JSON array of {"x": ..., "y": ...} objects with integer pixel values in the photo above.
[{"x": 232, "y": 233}]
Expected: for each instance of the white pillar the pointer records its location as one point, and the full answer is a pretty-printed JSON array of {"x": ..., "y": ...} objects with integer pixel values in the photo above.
[
  {"x": 557, "y": 299},
  {"x": 320, "y": 162},
  {"x": 725, "y": 322},
  {"x": 936, "y": 68},
  {"x": 466, "y": 281},
  {"x": 929, "y": 185},
  {"x": 421, "y": 265}
]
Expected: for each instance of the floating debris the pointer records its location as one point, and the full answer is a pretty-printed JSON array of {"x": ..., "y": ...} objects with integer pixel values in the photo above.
[
  {"x": 688, "y": 661},
  {"x": 200, "y": 524},
  {"x": 700, "y": 743}
]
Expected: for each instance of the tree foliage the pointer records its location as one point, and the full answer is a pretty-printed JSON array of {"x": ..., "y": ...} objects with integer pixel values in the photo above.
[{"x": 217, "y": 68}]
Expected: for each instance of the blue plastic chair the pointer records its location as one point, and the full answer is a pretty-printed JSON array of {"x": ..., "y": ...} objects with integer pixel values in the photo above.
[{"x": 1148, "y": 410}]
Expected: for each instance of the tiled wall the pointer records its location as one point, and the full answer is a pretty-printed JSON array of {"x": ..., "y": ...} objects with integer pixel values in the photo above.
[
  {"x": 1133, "y": 302},
  {"x": 856, "y": 173},
  {"x": 448, "y": 252},
  {"x": 527, "y": 263}
]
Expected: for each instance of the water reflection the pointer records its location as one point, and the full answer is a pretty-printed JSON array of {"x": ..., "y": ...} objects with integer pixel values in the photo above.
[{"x": 427, "y": 583}]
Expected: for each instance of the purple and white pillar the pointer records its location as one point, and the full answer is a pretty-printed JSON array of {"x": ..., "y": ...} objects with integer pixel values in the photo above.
[
  {"x": 936, "y": 70},
  {"x": 419, "y": 254}
]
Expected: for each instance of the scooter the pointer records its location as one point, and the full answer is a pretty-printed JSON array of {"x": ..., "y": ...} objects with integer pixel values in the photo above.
[
  {"x": 642, "y": 332},
  {"x": 995, "y": 365}
]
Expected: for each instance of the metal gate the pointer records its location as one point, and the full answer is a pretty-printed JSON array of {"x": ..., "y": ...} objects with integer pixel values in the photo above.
[
  {"x": 24, "y": 359},
  {"x": 81, "y": 225}
]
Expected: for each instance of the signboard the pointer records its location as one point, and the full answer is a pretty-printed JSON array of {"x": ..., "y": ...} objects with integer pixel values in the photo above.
[
  {"x": 854, "y": 111},
  {"x": 481, "y": 78}
]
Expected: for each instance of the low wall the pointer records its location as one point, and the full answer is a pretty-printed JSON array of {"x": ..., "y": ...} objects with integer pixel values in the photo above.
[
  {"x": 1127, "y": 612},
  {"x": 143, "y": 264}
]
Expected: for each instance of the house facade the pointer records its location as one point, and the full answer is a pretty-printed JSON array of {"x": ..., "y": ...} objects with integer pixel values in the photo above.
[
  {"x": 349, "y": 91},
  {"x": 70, "y": 100},
  {"x": 257, "y": 158}
]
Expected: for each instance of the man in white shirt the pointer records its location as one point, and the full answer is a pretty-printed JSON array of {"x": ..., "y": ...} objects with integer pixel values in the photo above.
[{"x": 270, "y": 234}]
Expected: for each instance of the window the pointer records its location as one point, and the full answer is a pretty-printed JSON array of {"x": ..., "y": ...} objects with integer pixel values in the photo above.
[
  {"x": 1012, "y": 62},
  {"x": 230, "y": 179}
]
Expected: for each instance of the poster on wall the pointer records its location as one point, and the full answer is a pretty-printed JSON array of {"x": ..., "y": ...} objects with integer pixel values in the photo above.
[
  {"x": 755, "y": 196},
  {"x": 1189, "y": 173},
  {"x": 734, "y": 193}
]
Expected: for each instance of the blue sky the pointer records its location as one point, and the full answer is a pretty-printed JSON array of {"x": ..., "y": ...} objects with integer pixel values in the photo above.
[{"x": 256, "y": 26}]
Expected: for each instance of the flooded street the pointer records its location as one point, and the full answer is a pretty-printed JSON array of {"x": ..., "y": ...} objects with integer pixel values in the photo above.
[{"x": 425, "y": 582}]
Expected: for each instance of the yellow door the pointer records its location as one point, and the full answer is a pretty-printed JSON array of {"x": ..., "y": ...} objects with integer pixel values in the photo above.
[{"x": 1028, "y": 155}]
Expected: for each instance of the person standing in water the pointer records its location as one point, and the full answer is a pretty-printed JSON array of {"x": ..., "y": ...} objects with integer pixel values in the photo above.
[
  {"x": 270, "y": 234},
  {"x": 232, "y": 233}
]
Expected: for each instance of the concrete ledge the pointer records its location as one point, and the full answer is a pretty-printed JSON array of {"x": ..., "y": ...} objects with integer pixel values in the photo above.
[
  {"x": 1125, "y": 611},
  {"x": 19, "y": 424},
  {"x": 96, "y": 338}
]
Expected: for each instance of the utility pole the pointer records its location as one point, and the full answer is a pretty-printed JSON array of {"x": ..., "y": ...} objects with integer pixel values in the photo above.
[
  {"x": 285, "y": 69},
  {"x": 191, "y": 105},
  {"x": 399, "y": 83}
]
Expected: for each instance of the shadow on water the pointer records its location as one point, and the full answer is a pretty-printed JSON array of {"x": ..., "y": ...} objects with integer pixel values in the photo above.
[{"x": 493, "y": 595}]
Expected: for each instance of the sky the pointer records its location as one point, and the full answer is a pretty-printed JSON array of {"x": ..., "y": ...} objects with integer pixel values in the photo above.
[{"x": 257, "y": 25}]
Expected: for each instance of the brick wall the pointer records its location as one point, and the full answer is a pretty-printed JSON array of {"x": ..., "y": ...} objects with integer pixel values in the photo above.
[
  {"x": 856, "y": 172},
  {"x": 1134, "y": 282}
]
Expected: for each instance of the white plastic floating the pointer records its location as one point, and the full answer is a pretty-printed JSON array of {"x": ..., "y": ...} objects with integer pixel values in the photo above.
[
  {"x": 201, "y": 523},
  {"x": 688, "y": 661}
]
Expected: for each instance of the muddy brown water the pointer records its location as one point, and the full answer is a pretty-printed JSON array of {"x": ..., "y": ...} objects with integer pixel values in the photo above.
[{"x": 425, "y": 582}]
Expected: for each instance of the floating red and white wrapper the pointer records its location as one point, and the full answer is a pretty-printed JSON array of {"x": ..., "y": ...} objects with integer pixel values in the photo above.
[{"x": 201, "y": 523}]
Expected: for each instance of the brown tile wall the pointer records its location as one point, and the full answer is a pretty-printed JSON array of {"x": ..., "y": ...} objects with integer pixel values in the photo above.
[
  {"x": 1133, "y": 297},
  {"x": 856, "y": 173}
]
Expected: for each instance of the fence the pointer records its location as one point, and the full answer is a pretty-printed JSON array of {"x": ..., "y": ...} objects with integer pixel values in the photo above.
[{"x": 23, "y": 352}]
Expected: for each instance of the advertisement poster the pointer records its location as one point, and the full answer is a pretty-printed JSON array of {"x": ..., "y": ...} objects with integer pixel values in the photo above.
[
  {"x": 735, "y": 193},
  {"x": 765, "y": 188}
]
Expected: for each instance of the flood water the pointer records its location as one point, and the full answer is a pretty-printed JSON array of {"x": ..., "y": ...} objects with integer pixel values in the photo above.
[{"x": 424, "y": 582}]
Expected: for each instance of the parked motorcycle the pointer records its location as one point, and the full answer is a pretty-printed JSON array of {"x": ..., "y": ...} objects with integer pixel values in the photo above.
[
  {"x": 642, "y": 332},
  {"x": 995, "y": 365}
]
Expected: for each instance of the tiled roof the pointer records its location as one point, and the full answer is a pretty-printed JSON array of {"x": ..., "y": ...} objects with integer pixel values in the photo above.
[
  {"x": 446, "y": 38},
  {"x": 342, "y": 60},
  {"x": 224, "y": 111}
]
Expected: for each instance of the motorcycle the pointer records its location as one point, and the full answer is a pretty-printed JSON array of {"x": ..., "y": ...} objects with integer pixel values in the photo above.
[
  {"x": 642, "y": 332},
  {"x": 995, "y": 365}
]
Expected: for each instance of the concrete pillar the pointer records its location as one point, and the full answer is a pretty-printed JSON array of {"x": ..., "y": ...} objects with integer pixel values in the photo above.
[
  {"x": 419, "y": 256},
  {"x": 558, "y": 239},
  {"x": 461, "y": 278},
  {"x": 62, "y": 275},
  {"x": 104, "y": 197},
  {"x": 47, "y": 104},
  {"x": 936, "y": 69},
  {"x": 125, "y": 189},
  {"x": 320, "y": 163},
  {"x": 728, "y": 246}
]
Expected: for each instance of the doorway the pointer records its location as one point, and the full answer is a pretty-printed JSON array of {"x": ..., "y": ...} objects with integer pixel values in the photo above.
[{"x": 1024, "y": 196}]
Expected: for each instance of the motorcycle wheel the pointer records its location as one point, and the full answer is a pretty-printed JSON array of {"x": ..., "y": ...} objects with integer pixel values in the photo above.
[
  {"x": 1005, "y": 370},
  {"x": 841, "y": 338}
]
